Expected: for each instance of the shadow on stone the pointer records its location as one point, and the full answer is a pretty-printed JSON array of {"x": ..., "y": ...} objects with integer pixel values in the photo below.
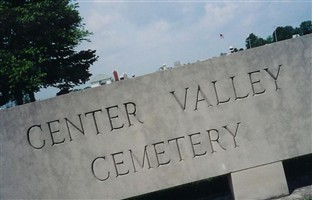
[
  {"x": 216, "y": 188},
  {"x": 298, "y": 172}
]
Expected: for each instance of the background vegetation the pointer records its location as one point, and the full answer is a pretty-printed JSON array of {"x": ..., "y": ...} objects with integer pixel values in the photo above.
[
  {"x": 279, "y": 34},
  {"x": 37, "y": 48}
]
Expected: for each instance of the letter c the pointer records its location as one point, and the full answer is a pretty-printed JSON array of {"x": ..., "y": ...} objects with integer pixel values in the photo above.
[
  {"x": 93, "y": 172},
  {"x": 28, "y": 137}
]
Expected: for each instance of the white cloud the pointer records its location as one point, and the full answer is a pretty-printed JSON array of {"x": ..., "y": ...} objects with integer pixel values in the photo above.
[
  {"x": 97, "y": 21},
  {"x": 220, "y": 13},
  {"x": 139, "y": 37}
]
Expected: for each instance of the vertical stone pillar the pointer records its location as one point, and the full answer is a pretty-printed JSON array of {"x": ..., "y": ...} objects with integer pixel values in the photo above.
[{"x": 261, "y": 182}]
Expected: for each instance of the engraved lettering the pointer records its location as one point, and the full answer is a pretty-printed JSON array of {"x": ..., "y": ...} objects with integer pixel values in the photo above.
[
  {"x": 39, "y": 146},
  {"x": 274, "y": 77},
  {"x": 118, "y": 172},
  {"x": 195, "y": 154},
  {"x": 52, "y": 132},
  {"x": 94, "y": 119},
  {"x": 235, "y": 93},
  {"x": 217, "y": 96},
  {"x": 113, "y": 117},
  {"x": 81, "y": 130},
  {"x": 203, "y": 99},
  {"x": 93, "y": 170},
  {"x": 183, "y": 106},
  {"x": 131, "y": 113},
  {"x": 233, "y": 134},
  {"x": 120, "y": 160},
  {"x": 145, "y": 155},
  {"x": 214, "y": 140},
  {"x": 178, "y": 146},
  {"x": 158, "y": 153},
  {"x": 254, "y": 82}
]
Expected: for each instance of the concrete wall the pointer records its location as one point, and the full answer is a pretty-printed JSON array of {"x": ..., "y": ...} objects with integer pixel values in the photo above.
[{"x": 161, "y": 130}]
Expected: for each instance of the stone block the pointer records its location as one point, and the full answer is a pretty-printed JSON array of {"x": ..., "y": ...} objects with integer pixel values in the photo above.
[
  {"x": 263, "y": 182},
  {"x": 161, "y": 130}
]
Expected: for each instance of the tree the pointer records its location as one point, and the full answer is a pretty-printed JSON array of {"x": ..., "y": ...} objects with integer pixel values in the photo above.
[
  {"x": 283, "y": 33},
  {"x": 269, "y": 39},
  {"x": 306, "y": 27},
  {"x": 280, "y": 33},
  {"x": 37, "y": 48},
  {"x": 254, "y": 41}
]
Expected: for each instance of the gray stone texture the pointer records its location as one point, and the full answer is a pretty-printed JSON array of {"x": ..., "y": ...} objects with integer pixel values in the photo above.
[
  {"x": 263, "y": 182},
  {"x": 298, "y": 194},
  {"x": 140, "y": 135}
]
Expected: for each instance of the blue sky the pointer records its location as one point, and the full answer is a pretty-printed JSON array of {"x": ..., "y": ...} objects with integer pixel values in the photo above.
[{"x": 138, "y": 37}]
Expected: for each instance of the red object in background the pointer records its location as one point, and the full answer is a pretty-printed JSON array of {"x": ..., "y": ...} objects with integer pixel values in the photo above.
[{"x": 115, "y": 75}]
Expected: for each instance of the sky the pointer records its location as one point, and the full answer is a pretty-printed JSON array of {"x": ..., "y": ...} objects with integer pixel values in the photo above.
[{"x": 138, "y": 37}]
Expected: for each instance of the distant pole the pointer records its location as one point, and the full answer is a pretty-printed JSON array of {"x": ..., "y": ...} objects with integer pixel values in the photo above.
[
  {"x": 275, "y": 35},
  {"x": 249, "y": 43}
]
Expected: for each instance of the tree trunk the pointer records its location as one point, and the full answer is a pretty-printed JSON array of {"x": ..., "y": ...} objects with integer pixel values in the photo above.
[
  {"x": 18, "y": 98},
  {"x": 32, "y": 96}
]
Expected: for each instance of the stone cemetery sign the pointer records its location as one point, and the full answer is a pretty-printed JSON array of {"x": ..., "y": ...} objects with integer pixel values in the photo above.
[{"x": 214, "y": 117}]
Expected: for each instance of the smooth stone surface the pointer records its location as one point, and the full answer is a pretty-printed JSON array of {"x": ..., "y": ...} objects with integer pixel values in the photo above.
[
  {"x": 161, "y": 130},
  {"x": 262, "y": 182}
]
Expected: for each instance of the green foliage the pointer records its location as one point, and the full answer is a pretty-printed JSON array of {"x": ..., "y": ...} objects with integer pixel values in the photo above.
[
  {"x": 269, "y": 39},
  {"x": 308, "y": 198},
  {"x": 279, "y": 34},
  {"x": 306, "y": 27},
  {"x": 37, "y": 41},
  {"x": 283, "y": 33},
  {"x": 254, "y": 41}
]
